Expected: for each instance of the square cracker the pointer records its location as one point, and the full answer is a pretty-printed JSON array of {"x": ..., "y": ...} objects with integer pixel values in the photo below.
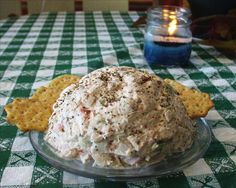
[
  {"x": 28, "y": 114},
  {"x": 33, "y": 113}
]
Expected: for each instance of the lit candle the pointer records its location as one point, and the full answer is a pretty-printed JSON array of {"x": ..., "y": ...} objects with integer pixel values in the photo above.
[{"x": 167, "y": 39}]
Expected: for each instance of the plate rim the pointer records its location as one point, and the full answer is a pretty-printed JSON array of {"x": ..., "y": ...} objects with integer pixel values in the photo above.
[{"x": 120, "y": 177}]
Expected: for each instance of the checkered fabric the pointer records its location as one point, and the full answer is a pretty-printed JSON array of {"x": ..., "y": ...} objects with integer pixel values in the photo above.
[{"x": 35, "y": 49}]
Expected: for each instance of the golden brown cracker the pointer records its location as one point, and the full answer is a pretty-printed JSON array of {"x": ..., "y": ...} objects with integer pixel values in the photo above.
[
  {"x": 51, "y": 93},
  {"x": 196, "y": 103},
  {"x": 28, "y": 114},
  {"x": 61, "y": 82},
  {"x": 179, "y": 88},
  {"x": 33, "y": 113},
  {"x": 47, "y": 94}
]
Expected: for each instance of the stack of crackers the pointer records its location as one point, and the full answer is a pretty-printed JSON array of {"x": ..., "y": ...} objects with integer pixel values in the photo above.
[{"x": 33, "y": 113}]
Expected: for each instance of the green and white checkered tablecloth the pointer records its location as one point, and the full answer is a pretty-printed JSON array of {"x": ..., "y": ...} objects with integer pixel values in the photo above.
[{"x": 34, "y": 49}]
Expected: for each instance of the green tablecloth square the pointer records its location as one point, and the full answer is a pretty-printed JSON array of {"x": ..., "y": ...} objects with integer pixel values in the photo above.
[
  {"x": 7, "y": 131},
  {"x": 4, "y": 157},
  {"x": 20, "y": 93}
]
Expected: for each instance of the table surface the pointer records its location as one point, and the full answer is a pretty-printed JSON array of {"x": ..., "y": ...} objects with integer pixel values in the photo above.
[{"x": 35, "y": 49}]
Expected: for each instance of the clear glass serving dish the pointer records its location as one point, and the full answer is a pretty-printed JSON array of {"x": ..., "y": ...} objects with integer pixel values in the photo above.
[{"x": 170, "y": 165}]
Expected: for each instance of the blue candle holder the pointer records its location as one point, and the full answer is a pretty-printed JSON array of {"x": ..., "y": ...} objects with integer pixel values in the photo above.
[{"x": 168, "y": 39}]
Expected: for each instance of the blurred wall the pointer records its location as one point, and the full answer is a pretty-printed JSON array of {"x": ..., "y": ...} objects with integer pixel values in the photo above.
[
  {"x": 8, "y": 7},
  {"x": 105, "y": 5},
  {"x": 34, "y": 6}
]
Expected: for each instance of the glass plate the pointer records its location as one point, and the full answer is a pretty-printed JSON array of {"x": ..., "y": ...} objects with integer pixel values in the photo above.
[{"x": 170, "y": 165}]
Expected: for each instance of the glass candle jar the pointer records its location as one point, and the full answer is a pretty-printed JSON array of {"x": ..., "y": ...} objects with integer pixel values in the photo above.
[{"x": 167, "y": 40}]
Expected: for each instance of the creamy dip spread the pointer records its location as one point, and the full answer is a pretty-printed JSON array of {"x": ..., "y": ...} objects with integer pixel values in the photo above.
[{"x": 119, "y": 117}]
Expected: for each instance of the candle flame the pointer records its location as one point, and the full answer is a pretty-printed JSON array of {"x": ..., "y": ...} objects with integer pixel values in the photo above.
[
  {"x": 171, "y": 17},
  {"x": 165, "y": 15},
  {"x": 172, "y": 27},
  {"x": 165, "y": 10}
]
